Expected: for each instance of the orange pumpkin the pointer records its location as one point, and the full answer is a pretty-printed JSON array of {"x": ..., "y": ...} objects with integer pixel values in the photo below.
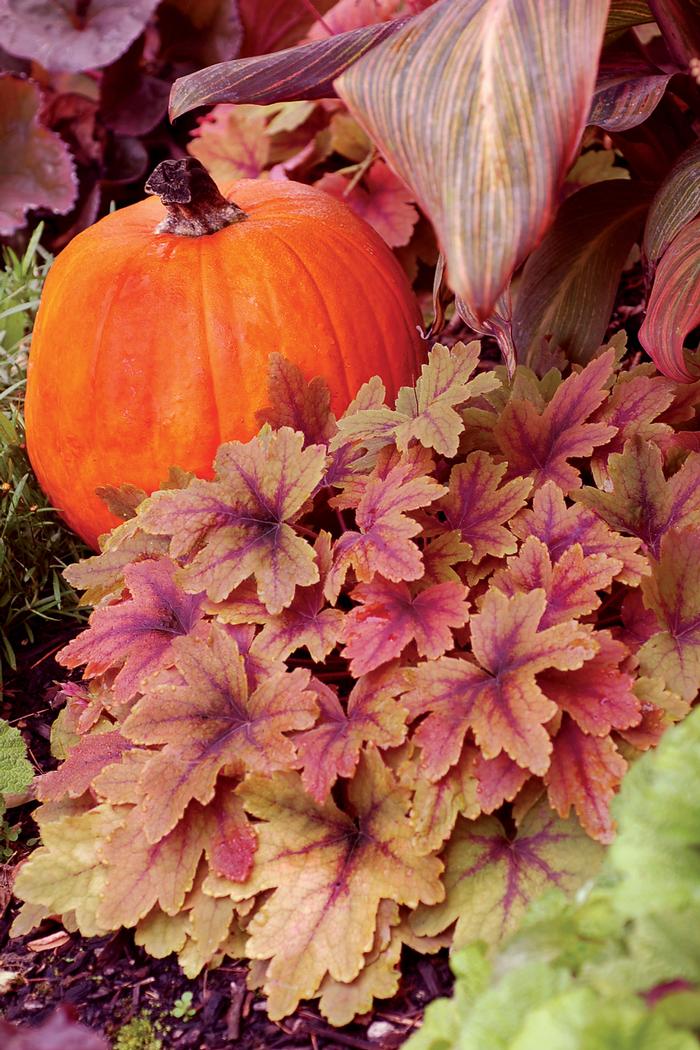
[{"x": 151, "y": 345}]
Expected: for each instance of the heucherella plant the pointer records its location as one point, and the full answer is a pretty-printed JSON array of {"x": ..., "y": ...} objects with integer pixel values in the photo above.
[
  {"x": 378, "y": 681},
  {"x": 545, "y": 140},
  {"x": 620, "y": 966}
]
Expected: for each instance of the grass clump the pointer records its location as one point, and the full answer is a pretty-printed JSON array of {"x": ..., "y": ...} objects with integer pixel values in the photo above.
[{"x": 34, "y": 544}]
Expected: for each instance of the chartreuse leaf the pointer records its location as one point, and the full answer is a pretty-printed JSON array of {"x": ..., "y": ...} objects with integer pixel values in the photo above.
[
  {"x": 673, "y": 310},
  {"x": 569, "y": 282},
  {"x": 328, "y": 872},
  {"x": 462, "y": 130},
  {"x": 490, "y": 878},
  {"x": 16, "y": 771}
]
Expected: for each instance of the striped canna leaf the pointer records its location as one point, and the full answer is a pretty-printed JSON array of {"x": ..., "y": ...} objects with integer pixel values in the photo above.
[
  {"x": 673, "y": 310},
  {"x": 479, "y": 106}
]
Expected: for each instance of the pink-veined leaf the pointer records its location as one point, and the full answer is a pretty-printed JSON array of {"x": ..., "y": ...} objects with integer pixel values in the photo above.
[
  {"x": 498, "y": 699},
  {"x": 345, "y": 15},
  {"x": 490, "y": 878},
  {"x": 384, "y": 541},
  {"x": 381, "y": 199},
  {"x": 679, "y": 22},
  {"x": 641, "y": 501},
  {"x": 232, "y": 142},
  {"x": 673, "y": 310},
  {"x": 241, "y": 523},
  {"x": 231, "y": 841},
  {"x": 677, "y": 201},
  {"x": 478, "y": 505},
  {"x": 598, "y": 696},
  {"x": 569, "y": 282},
  {"x": 468, "y": 130},
  {"x": 585, "y": 773},
  {"x": 303, "y": 72},
  {"x": 36, "y": 168},
  {"x": 85, "y": 762},
  {"x": 672, "y": 592},
  {"x": 294, "y": 402},
  {"x": 211, "y": 721},
  {"x": 328, "y": 871},
  {"x": 633, "y": 407},
  {"x": 436, "y": 805},
  {"x": 441, "y": 555},
  {"x": 136, "y": 635},
  {"x": 427, "y": 413},
  {"x": 372, "y": 715},
  {"x": 560, "y": 526},
  {"x": 540, "y": 445},
  {"x": 498, "y": 780},
  {"x": 571, "y": 582},
  {"x": 389, "y": 617}
]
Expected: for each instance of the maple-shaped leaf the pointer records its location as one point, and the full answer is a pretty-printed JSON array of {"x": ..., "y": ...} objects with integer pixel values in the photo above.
[
  {"x": 66, "y": 873},
  {"x": 383, "y": 542},
  {"x": 136, "y": 635},
  {"x": 491, "y": 878},
  {"x": 210, "y": 721},
  {"x": 585, "y": 773},
  {"x": 560, "y": 526},
  {"x": 571, "y": 582},
  {"x": 641, "y": 501},
  {"x": 426, "y": 413},
  {"x": 231, "y": 841},
  {"x": 437, "y": 805},
  {"x": 660, "y": 708},
  {"x": 633, "y": 407},
  {"x": 306, "y": 622},
  {"x": 499, "y": 699},
  {"x": 140, "y": 874},
  {"x": 118, "y": 782},
  {"x": 328, "y": 872},
  {"x": 478, "y": 506},
  {"x": 381, "y": 199},
  {"x": 240, "y": 523},
  {"x": 84, "y": 763},
  {"x": 498, "y": 780},
  {"x": 232, "y": 141},
  {"x": 673, "y": 594},
  {"x": 540, "y": 445},
  {"x": 599, "y": 696},
  {"x": 102, "y": 576},
  {"x": 389, "y": 616},
  {"x": 294, "y": 402},
  {"x": 373, "y": 714},
  {"x": 441, "y": 555}
]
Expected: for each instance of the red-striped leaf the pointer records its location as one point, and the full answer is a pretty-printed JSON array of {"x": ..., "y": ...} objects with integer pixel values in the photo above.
[
  {"x": 679, "y": 22},
  {"x": 624, "y": 14},
  {"x": 628, "y": 90},
  {"x": 569, "y": 283},
  {"x": 674, "y": 305},
  {"x": 307, "y": 71},
  {"x": 676, "y": 203},
  {"x": 460, "y": 101}
]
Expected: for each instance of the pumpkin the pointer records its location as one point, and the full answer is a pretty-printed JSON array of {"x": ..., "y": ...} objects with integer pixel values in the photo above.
[{"x": 155, "y": 326}]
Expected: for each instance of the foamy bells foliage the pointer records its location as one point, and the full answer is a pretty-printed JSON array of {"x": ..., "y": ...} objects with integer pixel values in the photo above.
[{"x": 347, "y": 694}]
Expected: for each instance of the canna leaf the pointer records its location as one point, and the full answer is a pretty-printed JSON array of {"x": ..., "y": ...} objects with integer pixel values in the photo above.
[
  {"x": 673, "y": 310},
  {"x": 307, "y": 71},
  {"x": 628, "y": 90},
  {"x": 568, "y": 285},
  {"x": 462, "y": 130},
  {"x": 677, "y": 201}
]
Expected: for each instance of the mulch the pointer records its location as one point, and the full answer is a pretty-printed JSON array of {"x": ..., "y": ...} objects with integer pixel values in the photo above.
[{"x": 109, "y": 980}]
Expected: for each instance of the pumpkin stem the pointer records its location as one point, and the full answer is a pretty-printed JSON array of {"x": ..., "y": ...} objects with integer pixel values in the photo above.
[{"x": 195, "y": 206}]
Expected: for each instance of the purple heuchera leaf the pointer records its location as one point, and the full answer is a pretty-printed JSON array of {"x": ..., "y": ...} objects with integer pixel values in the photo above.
[{"x": 136, "y": 635}]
